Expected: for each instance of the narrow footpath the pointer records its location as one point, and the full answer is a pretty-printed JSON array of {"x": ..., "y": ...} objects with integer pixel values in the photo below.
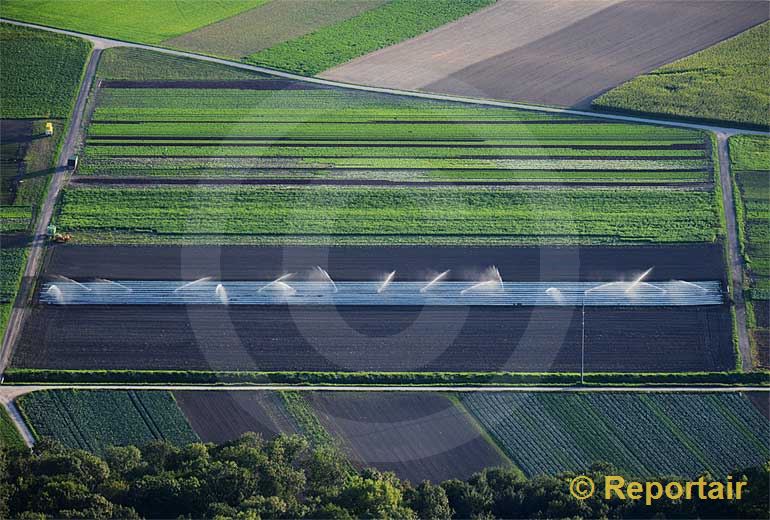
[{"x": 734, "y": 259}]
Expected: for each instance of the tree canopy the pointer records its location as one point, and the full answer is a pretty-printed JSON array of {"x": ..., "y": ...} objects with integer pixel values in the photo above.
[{"x": 251, "y": 478}]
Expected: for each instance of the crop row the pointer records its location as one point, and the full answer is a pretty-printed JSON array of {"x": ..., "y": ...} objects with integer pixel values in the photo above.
[
  {"x": 678, "y": 434},
  {"x": 12, "y": 260},
  {"x": 326, "y": 103},
  {"x": 94, "y": 420},
  {"x": 15, "y": 218},
  {"x": 413, "y": 131},
  {"x": 279, "y": 150},
  {"x": 635, "y": 215}
]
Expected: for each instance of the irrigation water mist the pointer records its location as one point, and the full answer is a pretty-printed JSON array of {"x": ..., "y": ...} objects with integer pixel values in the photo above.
[
  {"x": 435, "y": 280},
  {"x": 556, "y": 294},
  {"x": 639, "y": 280},
  {"x": 70, "y": 280},
  {"x": 278, "y": 283},
  {"x": 115, "y": 284},
  {"x": 221, "y": 293},
  {"x": 492, "y": 282},
  {"x": 325, "y": 277},
  {"x": 196, "y": 282},
  {"x": 56, "y": 294},
  {"x": 386, "y": 282}
]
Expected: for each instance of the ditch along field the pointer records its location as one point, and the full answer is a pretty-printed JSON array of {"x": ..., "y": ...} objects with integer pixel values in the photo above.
[
  {"x": 552, "y": 51},
  {"x": 378, "y": 338},
  {"x": 750, "y": 158},
  {"x": 433, "y": 436}
]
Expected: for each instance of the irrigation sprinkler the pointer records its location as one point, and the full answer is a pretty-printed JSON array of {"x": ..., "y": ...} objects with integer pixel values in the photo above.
[
  {"x": 386, "y": 282},
  {"x": 193, "y": 283},
  {"x": 435, "y": 280}
]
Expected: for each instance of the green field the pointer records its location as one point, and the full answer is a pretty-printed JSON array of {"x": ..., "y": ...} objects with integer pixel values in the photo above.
[
  {"x": 336, "y": 135},
  {"x": 278, "y": 21},
  {"x": 126, "y": 63},
  {"x": 750, "y": 165},
  {"x": 389, "y": 24},
  {"x": 726, "y": 83},
  {"x": 96, "y": 419},
  {"x": 41, "y": 72},
  {"x": 642, "y": 434},
  {"x": 278, "y": 214},
  {"x": 145, "y": 21},
  {"x": 9, "y": 435}
]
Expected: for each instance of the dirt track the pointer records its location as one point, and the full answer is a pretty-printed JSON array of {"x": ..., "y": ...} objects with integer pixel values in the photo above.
[{"x": 552, "y": 52}]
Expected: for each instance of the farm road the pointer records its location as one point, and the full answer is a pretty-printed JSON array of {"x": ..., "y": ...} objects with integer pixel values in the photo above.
[
  {"x": 102, "y": 43},
  {"x": 735, "y": 262},
  {"x": 37, "y": 248}
]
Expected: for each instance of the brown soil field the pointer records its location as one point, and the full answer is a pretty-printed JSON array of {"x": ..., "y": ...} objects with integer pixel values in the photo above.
[
  {"x": 219, "y": 416},
  {"x": 269, "y": 24},
  {"x": 417, "y": 436},
  {"x": 388, "y": 339},
  {"x": 524, "y": 264},
  {"x": 552, "y": 52},
  {"x": 762, "y": 401}
]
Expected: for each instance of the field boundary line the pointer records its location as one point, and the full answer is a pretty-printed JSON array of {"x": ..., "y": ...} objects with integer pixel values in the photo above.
[{"x": 102, "y": 43}]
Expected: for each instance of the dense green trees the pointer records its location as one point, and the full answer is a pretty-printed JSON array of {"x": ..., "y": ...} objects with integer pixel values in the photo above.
[{"x": 250, "y": 479}]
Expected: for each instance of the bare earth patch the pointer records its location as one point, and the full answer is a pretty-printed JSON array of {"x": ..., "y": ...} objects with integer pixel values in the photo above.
[{"x": 552, "y": 52}]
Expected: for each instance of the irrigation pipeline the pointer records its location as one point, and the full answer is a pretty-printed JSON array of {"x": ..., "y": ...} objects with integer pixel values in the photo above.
[{"x": 444, "y": 293}]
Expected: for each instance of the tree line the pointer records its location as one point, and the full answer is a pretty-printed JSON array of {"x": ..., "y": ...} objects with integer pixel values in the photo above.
[{"x": 251, "y": 478}]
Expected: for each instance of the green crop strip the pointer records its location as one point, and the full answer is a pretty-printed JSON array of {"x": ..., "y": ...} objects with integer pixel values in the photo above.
[
  {"x": 380, "y": 27},
  {"x": 41, "y": 72},
  {"x": 587, "y": 216},
  {"x": 94, "y": 420},
  {"x": 725, "y": 83},
  {"x": 549, "y": 432}
]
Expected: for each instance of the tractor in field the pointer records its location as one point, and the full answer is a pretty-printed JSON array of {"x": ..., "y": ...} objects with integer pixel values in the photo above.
[{"x": 56, "y": 237}]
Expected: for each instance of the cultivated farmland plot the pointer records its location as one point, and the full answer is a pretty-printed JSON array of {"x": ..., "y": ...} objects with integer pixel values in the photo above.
[{"x": 644, "y": 434}]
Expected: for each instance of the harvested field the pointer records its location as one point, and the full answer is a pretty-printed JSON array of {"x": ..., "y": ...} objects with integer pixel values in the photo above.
[
  {"x": 524, "y": 264},
  {"x": 306, "y": 338},
  {"x": 278, "y": 21},
  {"x": 219, "y": 416},
  {"x": 641, "y": 434},
  {"x": 554, "y": 52},
  {"x": 419, "y": 436}
]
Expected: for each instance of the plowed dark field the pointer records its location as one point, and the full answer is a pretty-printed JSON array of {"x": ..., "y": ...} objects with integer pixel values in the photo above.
[
  {"x": 278, "y": 338},
  {"x": 691, "y": 262},
  {"x": 417, "y": 436},
  {"x": 220, "y": 416},
  {"x": 552, "y": 52}
]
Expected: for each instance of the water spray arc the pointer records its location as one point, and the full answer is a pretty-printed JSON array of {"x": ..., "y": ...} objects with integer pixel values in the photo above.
[
  {"x": 193, "y": 283},
  {"x": 435, "y": 280},
  {"x": 386, "y": 282}
]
